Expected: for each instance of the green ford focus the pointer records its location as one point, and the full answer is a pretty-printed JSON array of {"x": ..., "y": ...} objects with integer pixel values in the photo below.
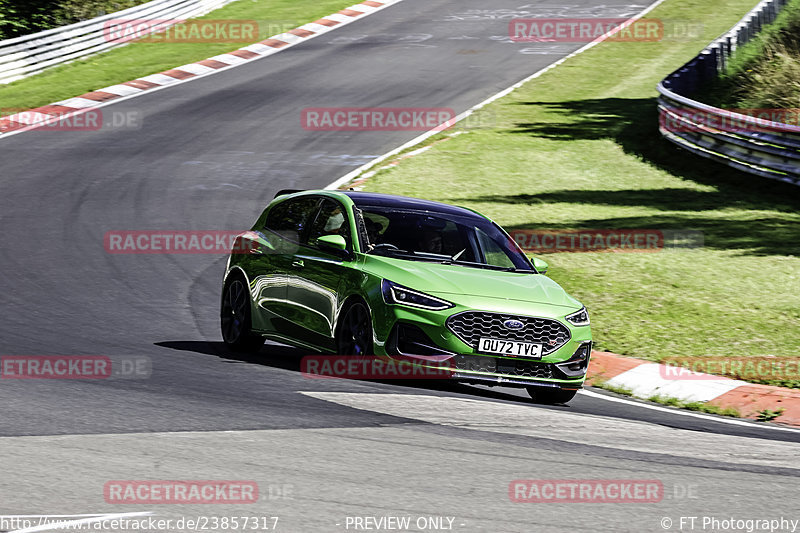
[{"x": 360, "y": 274}]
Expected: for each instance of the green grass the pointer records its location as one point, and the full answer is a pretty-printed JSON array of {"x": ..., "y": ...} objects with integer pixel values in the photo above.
[
  {"x": 765, "y": 72},
  {"x": 765, "y": 415},
  {"x": 578, "y": 147},
  {"x": 24, "y": 18},
  {"x": 697, "y": 406},
  {"x": 601, "y": 383},
  {"x": 681, "y": 404},
  {"x": 144, "y": 58}
]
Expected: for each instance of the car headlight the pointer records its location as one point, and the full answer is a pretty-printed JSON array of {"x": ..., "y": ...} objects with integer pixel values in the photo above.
[
  {"x": 579, "y": 318},
  {"x": 397, "y": 294}
]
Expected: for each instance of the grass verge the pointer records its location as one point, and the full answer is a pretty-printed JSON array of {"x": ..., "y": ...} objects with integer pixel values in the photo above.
[
  {"x": 681, "y": 404},
  {"x": 764, "y": 73},
  {"x": 696, "y": 406},
  {"x": 139, "y": 59},
  {"x": 579, "y": 147}
]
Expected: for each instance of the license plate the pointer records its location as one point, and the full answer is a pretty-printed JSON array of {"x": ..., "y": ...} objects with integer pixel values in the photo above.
[{"x": 513, "y": 348}]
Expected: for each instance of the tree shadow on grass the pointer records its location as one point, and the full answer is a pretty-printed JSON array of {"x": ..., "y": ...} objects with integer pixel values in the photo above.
[
  {"x": 633, "y": 125},
  {"x": 759, "y": 237}
]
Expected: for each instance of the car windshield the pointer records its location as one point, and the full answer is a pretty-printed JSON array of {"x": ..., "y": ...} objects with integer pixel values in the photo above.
[{"x": 423, "y": 235}]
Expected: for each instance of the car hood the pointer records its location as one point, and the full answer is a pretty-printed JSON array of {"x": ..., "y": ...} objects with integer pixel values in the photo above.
[{"x": 439, "y": 279}]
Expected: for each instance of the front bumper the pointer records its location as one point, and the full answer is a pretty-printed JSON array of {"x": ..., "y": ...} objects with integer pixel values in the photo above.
[{"x": 423, "y": 337}]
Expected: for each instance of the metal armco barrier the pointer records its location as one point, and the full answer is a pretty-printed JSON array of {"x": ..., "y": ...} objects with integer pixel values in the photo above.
[
  {"x": 749, "y": 143},
  {"x": 29, "y": 54}
]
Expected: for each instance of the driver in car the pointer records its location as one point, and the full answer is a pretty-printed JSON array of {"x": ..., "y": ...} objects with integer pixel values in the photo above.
[{"x": 431, "y": 242}]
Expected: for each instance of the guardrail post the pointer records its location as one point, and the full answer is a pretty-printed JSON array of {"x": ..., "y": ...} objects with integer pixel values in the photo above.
[
  {"x": 764, "y": 149},
  {"x": 728, "y": 51}
]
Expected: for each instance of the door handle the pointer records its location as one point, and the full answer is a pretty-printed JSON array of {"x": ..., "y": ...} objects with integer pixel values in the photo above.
[{"x": 298, "y": 263}]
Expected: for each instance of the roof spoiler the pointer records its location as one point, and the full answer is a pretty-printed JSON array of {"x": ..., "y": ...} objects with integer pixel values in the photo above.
[{"x": 283, "y": 192}]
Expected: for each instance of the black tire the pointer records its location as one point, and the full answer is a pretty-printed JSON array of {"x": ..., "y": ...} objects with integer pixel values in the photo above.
[
  {"x": 235, "y": 320},
  {"x": 354, "y": 336},
  {"x": 551, "y": 396}
]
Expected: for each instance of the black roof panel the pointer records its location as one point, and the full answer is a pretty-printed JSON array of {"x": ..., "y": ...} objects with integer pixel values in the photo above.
[{"x": 405, "y": 202}]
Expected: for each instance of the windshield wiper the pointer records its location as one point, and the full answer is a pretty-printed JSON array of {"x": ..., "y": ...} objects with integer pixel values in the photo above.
[
  {"x": 437, "y": 258},
  {"x": 398, "y": 252},
  {"x": 479, "y": 265},
  {"x": 486, "y": 266}
]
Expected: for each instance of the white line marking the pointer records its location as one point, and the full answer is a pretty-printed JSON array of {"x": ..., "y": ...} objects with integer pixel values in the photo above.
[
  {"x": 341, "y": 19},
  {"x": 229, "y": 59},
  {"x": 359, "y": 7},
  {"x": 120, "y": 90},
  {"x": 682, "y": 412},
  {"x": 159, "y": 79},
  {"x": 258, "y": 48},
  {"x": 194, "y": 68},
  {"x": 438, "y": 129},
  {"x": 290, "y": 38},
  {"x": 620, "y": 433},
  {"x": 647, "y": 380},
  {"x": 31, "y": 117},
  {"x": 316, "y": 28},
  {"x": 77, "y": 103}
]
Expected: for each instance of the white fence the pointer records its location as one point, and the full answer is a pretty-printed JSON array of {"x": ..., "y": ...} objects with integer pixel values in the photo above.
[{"x": 29, "y": 54}]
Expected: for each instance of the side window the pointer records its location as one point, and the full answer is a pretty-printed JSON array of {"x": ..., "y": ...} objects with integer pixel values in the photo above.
[
  {"x": 331, "y": 220},
  {"x": 375, "y": 226},
  {"x": 291, "y": 218},
  {"x": 492, "y": 252}
]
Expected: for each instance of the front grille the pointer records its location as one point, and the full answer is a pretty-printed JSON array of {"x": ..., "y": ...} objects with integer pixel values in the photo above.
[
  {"x": 470, "y": 326},
  {"x": 491, "y": 365},
  {"x": 476, "y": 363},
  {"x": 526, "y": 369}
]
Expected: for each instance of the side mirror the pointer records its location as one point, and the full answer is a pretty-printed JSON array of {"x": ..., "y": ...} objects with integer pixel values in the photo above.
[
  {"x": 540, "y": 265},
  {"x": 332, "y": 243}
]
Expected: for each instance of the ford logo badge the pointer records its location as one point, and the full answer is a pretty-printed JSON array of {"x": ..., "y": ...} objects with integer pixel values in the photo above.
[{"x": 513, "y": 324}]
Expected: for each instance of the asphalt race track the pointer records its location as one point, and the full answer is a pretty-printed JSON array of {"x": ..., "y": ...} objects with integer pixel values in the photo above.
[{"x": 209, "y": 155}]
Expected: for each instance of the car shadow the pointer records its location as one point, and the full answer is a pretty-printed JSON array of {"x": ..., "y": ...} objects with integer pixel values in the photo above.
[{"x": 290, "y": 358}]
